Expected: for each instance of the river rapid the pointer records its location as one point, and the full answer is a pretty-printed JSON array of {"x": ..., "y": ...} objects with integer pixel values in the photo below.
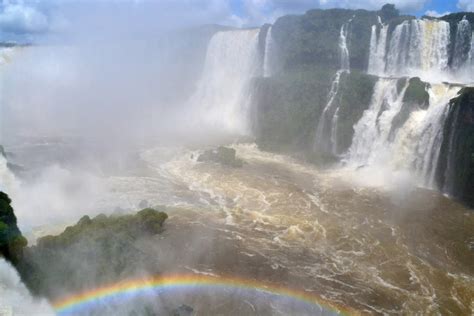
[{"x": 360, "y": 238}]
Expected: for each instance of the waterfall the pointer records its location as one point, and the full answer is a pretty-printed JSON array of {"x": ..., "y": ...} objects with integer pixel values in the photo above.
[
  {"x": 326, "y": 130},
  {"x": 415, "y": 48},
  {"x": 462, "y": 44},
  {"x": 268, "y": 58},
  {"x": 415, "y": 146},
  {"x": 222, "y": 97},
  {"x": 14, "y": 296},
  {"x": 377, "y": 49},
  {"x": 344, "y": 51},
  {"x": 371, "y": 133}
]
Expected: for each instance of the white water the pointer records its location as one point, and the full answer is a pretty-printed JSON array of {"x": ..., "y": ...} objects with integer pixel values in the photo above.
[
  {"x": 8, "y": 182},
  {"x": 344, "y": 50},
  {"x": 372, "y": 131},
  {"x": 326, "y": 131},
  {"x": 415, "y": 146},
  {"x": 420, "y": 48},
  {"x": 377, "y": 50},
  {"x": 462, "y": 44},
  {"x": 268, "y": 59},
  {"x": 222, "y": 97},
  {"x": 15, "y": 298}
]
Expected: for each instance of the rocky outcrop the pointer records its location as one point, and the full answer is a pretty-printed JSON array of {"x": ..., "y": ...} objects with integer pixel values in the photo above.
[
  {"x": 456, "y": 168},
  {"x": 91, "y": 253},
  {"x": 222, "y": 155},
  {"x": 12, "y": 241}
]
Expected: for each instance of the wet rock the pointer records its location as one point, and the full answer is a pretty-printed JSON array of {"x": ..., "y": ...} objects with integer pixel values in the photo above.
[{"x": 222, "y": 155}]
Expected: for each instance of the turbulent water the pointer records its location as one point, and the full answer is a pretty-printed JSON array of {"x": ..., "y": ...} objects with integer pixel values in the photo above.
[
  {"x": 373, "y": 248},
  {"x": 365, "y": 234},
  {"x": 421, "y": 48},
  {"x": 382, "y": 141},
  {"x": 221, "y": 100},
  {"x": 15, "y": 298}
]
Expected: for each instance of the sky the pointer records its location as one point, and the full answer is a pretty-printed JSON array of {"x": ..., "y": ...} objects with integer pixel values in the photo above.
[{"x": 28, "y": 20}]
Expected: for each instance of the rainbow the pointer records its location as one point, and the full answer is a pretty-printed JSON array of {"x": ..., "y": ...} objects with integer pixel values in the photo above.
[{"x": 87, "y": 299}]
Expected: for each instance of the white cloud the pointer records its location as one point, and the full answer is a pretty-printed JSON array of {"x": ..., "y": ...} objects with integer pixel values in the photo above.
[
  {"x": 436, "y": 14},
  {"x": 466, "y": 5},
  {"x": 19, "y": 18}
]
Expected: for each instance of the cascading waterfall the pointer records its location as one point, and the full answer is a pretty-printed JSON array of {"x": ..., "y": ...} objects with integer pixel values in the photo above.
[
  {"x": 371, "y": 133},
  {"x": 344, "y": 50},
  {"x": 377, "y": 49},
  {"x": 268, "y": 59},
  {"x": 222, "y": 98},
  {"x": 15, "y": 297},
  {"x": 414, "y": 146},
  {"x": 326, "y": 131},
  {"x": 462, "y": 44},
  {"x": 415, "y": 48}
]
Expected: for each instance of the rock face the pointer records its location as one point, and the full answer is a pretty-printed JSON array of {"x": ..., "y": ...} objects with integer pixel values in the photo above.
[
  {"x": 92, "y": 252},
  {"x": 222, "y": 155},
  {"x": 314, "y": 93},
  {"x": 456, "y": 175},
  {"x": 12, "y": 241}
]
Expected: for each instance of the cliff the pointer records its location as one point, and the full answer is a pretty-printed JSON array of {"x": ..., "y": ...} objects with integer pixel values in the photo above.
[
  {"x": 456, "y": 169},
  {"x": 81, "y": 256},
  {"x": 12, "y": 241}
]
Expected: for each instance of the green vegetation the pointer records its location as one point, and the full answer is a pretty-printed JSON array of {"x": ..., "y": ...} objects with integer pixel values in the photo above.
[
  {"x": 12, "y": 241},
  {"x": 94, "y": 251}
]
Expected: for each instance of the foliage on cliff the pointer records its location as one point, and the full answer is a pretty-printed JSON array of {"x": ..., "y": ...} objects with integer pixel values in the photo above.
[
  {"x": 92, "y": 252},
  {"x": 12, "y": 241}
]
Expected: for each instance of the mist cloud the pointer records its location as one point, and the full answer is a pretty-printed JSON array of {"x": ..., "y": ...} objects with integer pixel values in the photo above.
[{"x": 21, "y": 19}]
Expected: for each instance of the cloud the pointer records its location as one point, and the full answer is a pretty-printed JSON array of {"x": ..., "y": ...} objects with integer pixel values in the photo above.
[
  {"x": 466, "y": 5},
  {"x": 436, "y": 14},
  {"x": 20, "y": 19}
]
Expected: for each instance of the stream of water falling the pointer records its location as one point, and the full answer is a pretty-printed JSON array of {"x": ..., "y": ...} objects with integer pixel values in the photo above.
[
  {"x": 421, "y": 48},
  {"x": 269, "y": 55},
  {"x": 221, "y": 100},
  {"x": 326, "y": 130}
]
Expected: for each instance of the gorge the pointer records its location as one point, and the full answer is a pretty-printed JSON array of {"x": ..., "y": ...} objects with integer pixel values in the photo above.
[{"x": 321, "y": 165}]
